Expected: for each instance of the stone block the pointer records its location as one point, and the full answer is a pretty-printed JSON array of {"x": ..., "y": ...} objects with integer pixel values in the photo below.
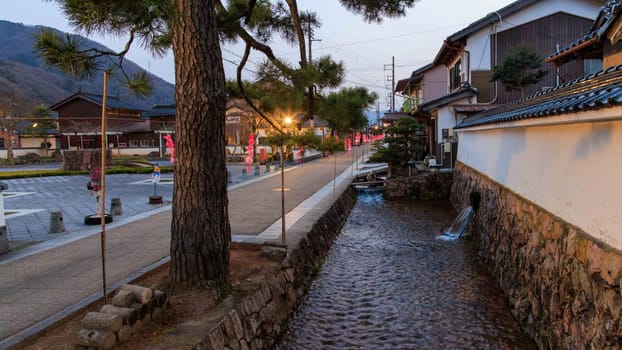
[
  {"x": 137, "y": 327},
  {"x": 124, "y": 333},
  {"x": 251, "y": 326},
  {"x": 275, "y": 287},
  {"x": 265, "y": 290},
  {"x": 257, "y": 344},
  {"x": 57, "y": 225},
  {"x": 215, "y": 338},
  {"x": 147, "y": 319},
  {"x": 4, "y": 241},
  {"x": 289, "y": 275},
  {"x": 269, "y": 312},
  {"x": 156, "y": 313},
  {"x": 291, "y": 296},
  {"x": 258, "y": 300},
  {"x": 282, "y": 278},
  {"x": 231, "y": 344},
  {"x": 611, "y": 270},
  {"x": 123, "y": 298},
  {"x": 247, "y": 306},
  {"x": 233, "y": 325}
]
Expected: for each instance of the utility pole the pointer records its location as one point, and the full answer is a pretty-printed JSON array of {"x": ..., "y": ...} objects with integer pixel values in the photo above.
[
  {"x": 393, "y": 84},
  {"x": 391, "y": 68},
  {"x": 311, "y": 92}
]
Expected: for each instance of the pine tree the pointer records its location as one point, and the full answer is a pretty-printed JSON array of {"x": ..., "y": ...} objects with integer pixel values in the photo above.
[
  {"x": 521, "y": 68},
  {"x": 200, "y": 231}
]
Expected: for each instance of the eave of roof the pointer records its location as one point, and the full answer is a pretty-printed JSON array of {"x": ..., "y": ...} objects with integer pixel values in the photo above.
[
  {"x": 422, "y": 69},
  {"x": 160, "y": 111},
  {"x": 449, "y": 52},
  {"x": 112, "y": 102},
  {"x": 401, "y": 85},
  {"x": 490, "y": 19},
  {"x": 591, "y": 92},
  {"x": 609, "y": 15},
  {"x": 473, "y": 108},
  {"x": 463, "y": 92},
  {"x": 415, "y": 77},
  {"x": 575, "y": 47},
  {"x": 455, "y": 43},
  {"x": 394, "y": 116}
]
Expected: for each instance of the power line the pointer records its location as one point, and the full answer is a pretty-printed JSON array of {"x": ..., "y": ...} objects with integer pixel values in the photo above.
[
  {"x": 237, "y": 65},
  {"x": 240, "y": 56},
  {"x": 370, "y": 85},
  {"x": 387, "y": 37}
]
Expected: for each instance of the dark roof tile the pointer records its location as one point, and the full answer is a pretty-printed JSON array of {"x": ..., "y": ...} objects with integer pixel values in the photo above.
[{"x": 595, "y": 91}]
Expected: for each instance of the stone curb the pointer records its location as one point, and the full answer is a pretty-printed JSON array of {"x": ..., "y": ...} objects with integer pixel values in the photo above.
[{"x": 60, "y": 316}]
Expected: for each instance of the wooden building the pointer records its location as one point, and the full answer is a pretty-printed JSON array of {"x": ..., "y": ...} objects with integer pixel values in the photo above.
[
  {"x": 458, "y": 83},
  {"x": 129, "y": 129}
]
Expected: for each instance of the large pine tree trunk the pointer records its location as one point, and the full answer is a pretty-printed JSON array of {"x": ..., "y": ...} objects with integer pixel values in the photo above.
[{"x": 200, "y": 232}]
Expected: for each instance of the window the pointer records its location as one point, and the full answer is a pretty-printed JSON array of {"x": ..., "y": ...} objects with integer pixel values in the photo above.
[
  {"x": 1, "y": 143},
  {"x": 455, "y": 74},
  {"x": 592, "y": 65},
  {"x": 144, "y": 143},
  {"x": 134, "y": 143}
]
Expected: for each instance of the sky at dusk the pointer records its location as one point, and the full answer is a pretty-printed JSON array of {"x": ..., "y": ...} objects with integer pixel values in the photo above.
[{"x": 366, "y": 49}]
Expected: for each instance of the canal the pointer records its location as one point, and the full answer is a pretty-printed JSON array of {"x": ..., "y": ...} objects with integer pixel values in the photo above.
[{"x": 388, "y": 282}]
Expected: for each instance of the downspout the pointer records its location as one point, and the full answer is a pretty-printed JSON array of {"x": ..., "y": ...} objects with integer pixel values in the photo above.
[{"x": 494, "y": 57}]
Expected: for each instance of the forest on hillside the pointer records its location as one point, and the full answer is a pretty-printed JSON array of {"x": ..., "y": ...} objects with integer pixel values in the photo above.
[{"x": 23, "y": 74}]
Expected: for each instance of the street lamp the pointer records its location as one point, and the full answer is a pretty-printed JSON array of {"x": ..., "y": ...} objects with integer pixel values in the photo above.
[{"x": 287, "y": 121}]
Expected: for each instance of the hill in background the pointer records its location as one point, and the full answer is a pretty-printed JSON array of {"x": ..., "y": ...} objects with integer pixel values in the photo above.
[{"x": 23, "y": 72}]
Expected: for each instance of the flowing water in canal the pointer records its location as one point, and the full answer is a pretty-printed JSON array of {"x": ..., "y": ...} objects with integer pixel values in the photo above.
[{"x": 388, "y": 283}]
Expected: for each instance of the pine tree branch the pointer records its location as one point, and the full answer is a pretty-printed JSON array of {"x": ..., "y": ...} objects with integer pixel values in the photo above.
[{"x": 247, "y": 51}]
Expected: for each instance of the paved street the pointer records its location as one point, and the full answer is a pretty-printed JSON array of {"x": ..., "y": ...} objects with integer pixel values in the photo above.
[
  {"x": 30, "y": 201},
  {"x": 64, "y": 273}
]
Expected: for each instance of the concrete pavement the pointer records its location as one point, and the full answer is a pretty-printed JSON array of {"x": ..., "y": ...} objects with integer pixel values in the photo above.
[{"x": 47, "y": 281}]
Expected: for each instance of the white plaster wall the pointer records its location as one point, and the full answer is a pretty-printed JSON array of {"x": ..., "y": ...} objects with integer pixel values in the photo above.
[
  {"x": 478, "y": 44},
  {"x": 572, "y": 170},
  {"x": 142, "y": 151},
  {"x": 447, "y": 118},
  {"x": 23, "y": 151},
  {"x": 36, "y": 142}
]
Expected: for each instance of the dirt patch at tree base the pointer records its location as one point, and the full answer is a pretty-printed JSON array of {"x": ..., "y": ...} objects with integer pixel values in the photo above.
[{"x": 248, "y": 267}]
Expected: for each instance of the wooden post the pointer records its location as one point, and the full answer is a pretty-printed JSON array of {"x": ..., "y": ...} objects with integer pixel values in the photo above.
[
  {"x": 102, "y": 321},
  {"x": 123, "y": 298},
  {"x": 141, "y": 294},
  {"x": 102, "y": 213},
  {"x": 283, "y": 239},
  {"x": 128, "y": 315},
  {"x": 96, "y": 338}
]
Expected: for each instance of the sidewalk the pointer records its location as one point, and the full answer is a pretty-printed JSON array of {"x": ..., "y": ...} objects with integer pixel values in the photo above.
[{"x": 37, "y": 289}]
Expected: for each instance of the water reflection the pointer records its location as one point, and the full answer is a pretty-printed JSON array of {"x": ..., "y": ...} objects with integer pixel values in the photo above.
[{"x": 387, "y": 283}]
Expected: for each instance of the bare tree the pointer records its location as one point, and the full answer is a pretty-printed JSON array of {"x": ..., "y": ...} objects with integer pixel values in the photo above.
[{"x": 13, "y": 108}]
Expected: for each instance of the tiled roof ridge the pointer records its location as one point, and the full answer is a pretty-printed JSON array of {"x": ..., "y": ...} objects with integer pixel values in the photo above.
[
  {"x": 581, "y": 81},
  {"x": 589, "y": 92},
  {"x": 608, "y": 11}
]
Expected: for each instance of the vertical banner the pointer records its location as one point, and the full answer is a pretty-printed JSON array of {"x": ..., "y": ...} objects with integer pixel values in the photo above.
[{"x": 249, "y": 149}]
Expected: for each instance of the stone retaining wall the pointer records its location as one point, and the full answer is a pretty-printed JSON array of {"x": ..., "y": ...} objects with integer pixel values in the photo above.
[
  {"x": 258, "y": 319},
  {"x": 561, "y": 284},
  {"x": 423, "y": 186}
]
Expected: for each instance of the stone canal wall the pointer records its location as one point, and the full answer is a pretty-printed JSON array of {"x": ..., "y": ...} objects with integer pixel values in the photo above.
[
  {"x": 562, "y": 285},
  {"x": 423, "y": 186},
  {"x": 258, "y": 319}
]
